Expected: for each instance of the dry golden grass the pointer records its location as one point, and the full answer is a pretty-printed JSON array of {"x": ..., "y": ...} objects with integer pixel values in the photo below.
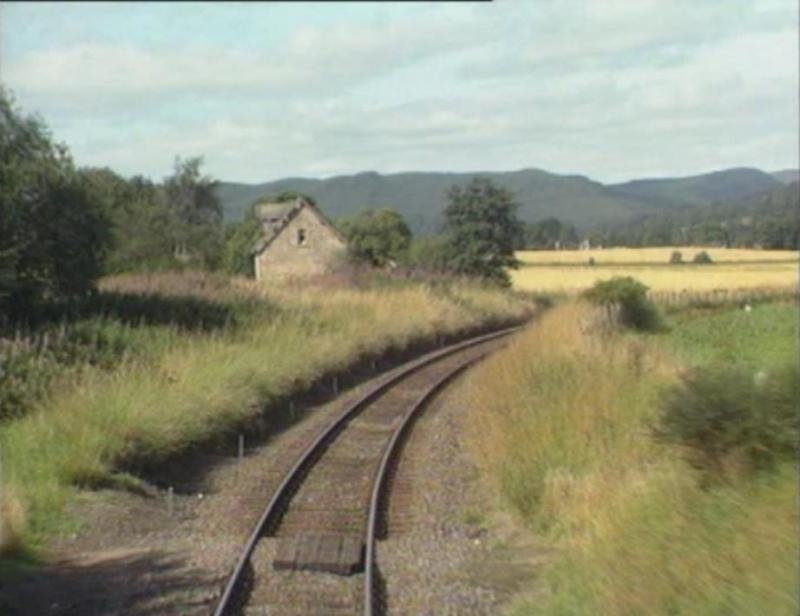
[
  {"x": 561, "y": 432},
  {"x": 660, "y": 278},
  {"x": 206, "y": 384},
  {"x": 660, "y": 255}
]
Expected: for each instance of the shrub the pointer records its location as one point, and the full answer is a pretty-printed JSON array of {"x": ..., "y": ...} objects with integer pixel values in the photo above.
[
  {"x": 377, "y": 237},
  {"x": 676, "y": 257},
  {"x": 702, "y": 258},
  {"x": 430, "y": 253},
  {"x": 728, "y": 417},
  {"x": 631, "y": 296}
]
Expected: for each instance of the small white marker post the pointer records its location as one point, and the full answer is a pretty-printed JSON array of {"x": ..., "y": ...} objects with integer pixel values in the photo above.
[
  {"x": 241, "y": 447},
  {"x": 170, "y": 499}
]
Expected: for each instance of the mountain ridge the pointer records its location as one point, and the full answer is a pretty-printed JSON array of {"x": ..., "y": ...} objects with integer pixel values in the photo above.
[{"x": 574, "y": 198}]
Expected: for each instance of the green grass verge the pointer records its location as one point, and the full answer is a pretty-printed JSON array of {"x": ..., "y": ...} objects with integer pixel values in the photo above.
[
  {"x": 765, "y": 336},
  {"x": 564, "y": 436},
  {"x": 202, "y": 385}
]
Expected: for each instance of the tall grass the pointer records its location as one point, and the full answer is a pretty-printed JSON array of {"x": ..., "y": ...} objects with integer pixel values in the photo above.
[
  {"x": 208, "y": 383},
  {"x": 564, "y": 438}
]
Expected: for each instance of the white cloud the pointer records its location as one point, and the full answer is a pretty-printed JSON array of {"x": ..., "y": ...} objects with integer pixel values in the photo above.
[
  {"x": 312, "y": 61},
  {"x": 611, "y": 91}
]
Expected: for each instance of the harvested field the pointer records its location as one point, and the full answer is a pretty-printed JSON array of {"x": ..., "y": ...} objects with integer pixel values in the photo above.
[
  {"x": 653, "y": 255},
  {"x": 569, "y": 271}
]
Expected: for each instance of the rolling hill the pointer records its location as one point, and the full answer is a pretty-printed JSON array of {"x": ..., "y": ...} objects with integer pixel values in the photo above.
[
  {"x": 421, "y": 197},
  {"x": 787, "y": 176},
  {"x": 698, "y": 189}
]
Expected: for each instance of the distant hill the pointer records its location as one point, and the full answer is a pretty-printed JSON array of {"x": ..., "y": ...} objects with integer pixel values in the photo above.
[
  {"x": 787, "y": 176},
  {"x": 698, "y": 189},
  {"x": 769, "y": 219},
  {"x": 421, "y": 197}
]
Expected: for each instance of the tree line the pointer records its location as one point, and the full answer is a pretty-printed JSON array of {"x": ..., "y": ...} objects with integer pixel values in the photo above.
[
  {"x": 770, "y": 221},
  {"x": 62, "y": 227}
]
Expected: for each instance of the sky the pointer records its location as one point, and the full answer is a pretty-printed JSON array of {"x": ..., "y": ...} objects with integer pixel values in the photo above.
[{"x": 613, "y": 90}]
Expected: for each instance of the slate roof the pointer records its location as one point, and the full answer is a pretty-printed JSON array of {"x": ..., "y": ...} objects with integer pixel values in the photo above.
[
  {"x": 274, "y": 211},
  {"x": 274, "y": 217}
]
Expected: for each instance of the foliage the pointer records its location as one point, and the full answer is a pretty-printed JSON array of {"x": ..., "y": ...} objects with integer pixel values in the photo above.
[
  {"x": 240, "y": 239},
  {"x": 702, "y": 258},
  {"x": 631, "y": 296},
  {"x": 53, "y": 234},
  {"x": 727, "y": 416},
  {"x": 769, "y": 219},
  {"x": 158, "y": 226},
  {"x": 481, "y": 226},
  {"x": 141, "y": 237},
  {"x": 431, "y": 253},
  {"x": 676, "y": 257},
  {"x": 194, "y": 214},
  {"x": 377, "y": 237},
  {"x": 547, "y": 234}
]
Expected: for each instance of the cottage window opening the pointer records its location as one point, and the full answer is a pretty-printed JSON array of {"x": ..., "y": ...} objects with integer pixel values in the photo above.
[{"x": 301, "y": 237}]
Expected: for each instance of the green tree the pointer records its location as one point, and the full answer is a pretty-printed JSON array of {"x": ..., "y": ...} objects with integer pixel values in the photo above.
[
  {"x": 240, "y": 239},
  {"x": 140, "y": 221},
  {"x": 194, "y": 214},
  {"x": 377, "y": 237},
  {"x": 431, "y": 253},
  {"x": 53, "y": 234},
  {"x": 547, "y": 234},
  {"x": 481, "y": 226}
]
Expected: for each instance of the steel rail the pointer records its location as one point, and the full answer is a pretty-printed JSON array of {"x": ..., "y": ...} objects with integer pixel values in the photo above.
[
  {"x": 371, "y": 598},
  {"x": 307, "y": 458}
]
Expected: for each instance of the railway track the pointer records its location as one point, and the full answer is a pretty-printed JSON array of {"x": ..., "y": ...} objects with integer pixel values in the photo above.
[{"x": 328, "y": 511}]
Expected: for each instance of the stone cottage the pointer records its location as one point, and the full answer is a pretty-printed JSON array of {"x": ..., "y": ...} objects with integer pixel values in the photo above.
[{"x": 297, "y": 241}]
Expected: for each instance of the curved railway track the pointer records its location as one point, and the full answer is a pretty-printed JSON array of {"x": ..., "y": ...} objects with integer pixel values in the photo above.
[{"x": 327, "y": 512}]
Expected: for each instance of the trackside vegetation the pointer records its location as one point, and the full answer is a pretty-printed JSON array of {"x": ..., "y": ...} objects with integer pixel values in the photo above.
[
  {"x": 166, "y": 385},
  {"x": 626, "y": 454}
]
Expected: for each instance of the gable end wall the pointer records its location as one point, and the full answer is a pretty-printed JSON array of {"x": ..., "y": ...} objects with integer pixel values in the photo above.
[{"x": 284, "y": 258}]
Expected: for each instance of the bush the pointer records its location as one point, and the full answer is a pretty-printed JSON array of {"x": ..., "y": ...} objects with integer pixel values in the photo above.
[
  {"x": 377, "y": 237},
  {"x": 728, "y": 417},
  {"x": 702, "y": 258},
  {"x": 676, "y": 257},
  {"x": 429, "y": 254},
  {"x": 631, "y": 296}
]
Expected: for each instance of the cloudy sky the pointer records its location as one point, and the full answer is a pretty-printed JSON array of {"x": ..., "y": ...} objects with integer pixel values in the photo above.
[{"x": 609, "y": 89}]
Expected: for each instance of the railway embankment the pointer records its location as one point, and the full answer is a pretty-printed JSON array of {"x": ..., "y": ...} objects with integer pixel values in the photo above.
[
  {"x": 98, "y": 427},
  {"x": 656, "y": 470}
]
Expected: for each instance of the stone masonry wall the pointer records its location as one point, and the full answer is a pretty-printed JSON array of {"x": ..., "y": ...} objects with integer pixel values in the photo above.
[{"x": 286, "y": 257}]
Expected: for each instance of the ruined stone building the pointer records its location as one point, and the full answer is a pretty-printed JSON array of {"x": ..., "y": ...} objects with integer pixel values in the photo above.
[{"x": 297, "y": 241}]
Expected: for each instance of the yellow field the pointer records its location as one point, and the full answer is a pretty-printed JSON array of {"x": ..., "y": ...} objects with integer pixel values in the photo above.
[
  {"x": 562, "y": 272},
  {"x": 659, "y": 255}
]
